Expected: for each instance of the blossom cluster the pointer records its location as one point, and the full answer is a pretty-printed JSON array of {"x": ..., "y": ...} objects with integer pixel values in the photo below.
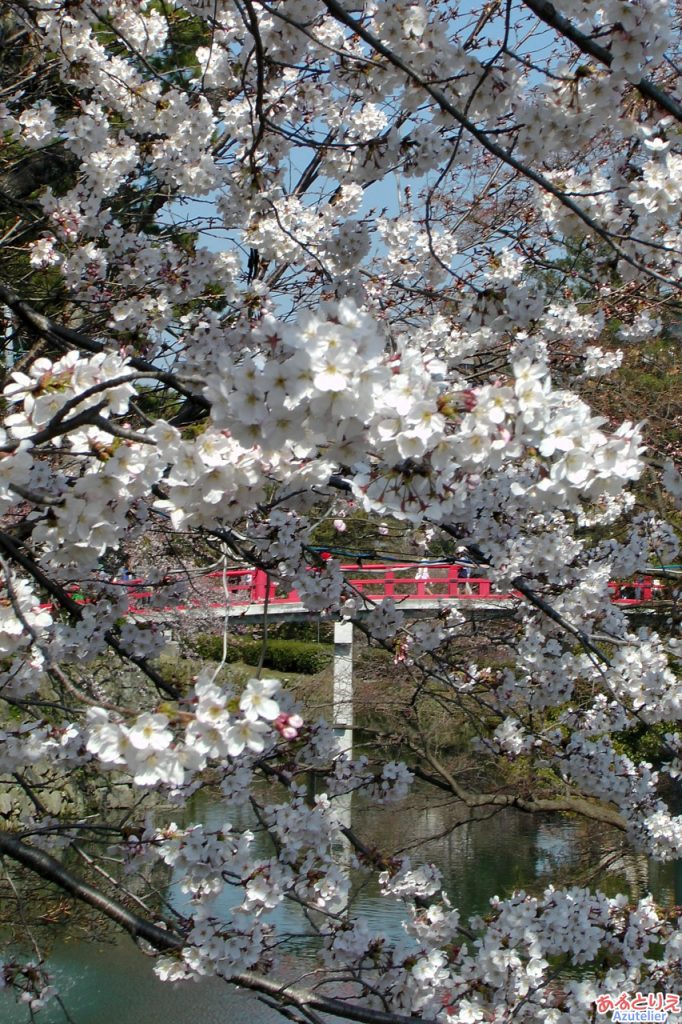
[{"x": 153, "y": 753}]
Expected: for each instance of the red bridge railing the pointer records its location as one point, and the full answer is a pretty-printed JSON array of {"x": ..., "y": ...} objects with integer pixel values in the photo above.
[{"x": 374, "y": 581}]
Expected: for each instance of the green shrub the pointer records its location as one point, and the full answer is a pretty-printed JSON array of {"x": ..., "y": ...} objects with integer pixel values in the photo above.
[
  {"x": 296, "y": 656},
  {"x": 280, "y": 655},
  {"x": 313, "y": 632},
  {"x": 210, "y": 648}
]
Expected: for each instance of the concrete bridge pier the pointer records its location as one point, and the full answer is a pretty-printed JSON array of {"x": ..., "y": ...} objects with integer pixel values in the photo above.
[{"x": 342, "y": 694}]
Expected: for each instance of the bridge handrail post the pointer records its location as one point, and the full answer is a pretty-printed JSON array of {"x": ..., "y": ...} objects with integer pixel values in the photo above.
[{"x": 259, "y": 586}]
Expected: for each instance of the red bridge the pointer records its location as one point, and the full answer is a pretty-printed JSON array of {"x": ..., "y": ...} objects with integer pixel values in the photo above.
[{"x": 428, "y": 583}]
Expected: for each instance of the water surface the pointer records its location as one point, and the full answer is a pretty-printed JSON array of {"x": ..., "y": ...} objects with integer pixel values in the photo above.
[{"x": 115, "y": 984}]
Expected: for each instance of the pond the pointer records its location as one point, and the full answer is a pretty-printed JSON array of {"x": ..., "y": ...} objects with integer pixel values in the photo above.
[{"x": 115, "y": 983}]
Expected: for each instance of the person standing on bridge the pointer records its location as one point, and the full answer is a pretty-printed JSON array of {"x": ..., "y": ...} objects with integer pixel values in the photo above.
[
  {"x": 422, "y": 573},
  {"x": 465, "y": 573}
]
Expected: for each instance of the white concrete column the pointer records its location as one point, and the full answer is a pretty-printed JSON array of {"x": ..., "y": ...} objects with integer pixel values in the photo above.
[{"x": 342, "y": 699}]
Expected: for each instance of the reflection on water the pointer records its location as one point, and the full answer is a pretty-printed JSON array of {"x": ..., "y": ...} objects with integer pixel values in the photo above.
[
  {"x": 479, "y": 859},
  {"x": 117, "y": 985}
]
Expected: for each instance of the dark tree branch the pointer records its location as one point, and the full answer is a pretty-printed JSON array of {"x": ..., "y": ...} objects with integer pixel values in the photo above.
[
  {"x": 483, "y": 138},
  {"x": 548, "y": 13},
  {"x": 47, "y": 867},
  {"x": 64, "y": 600},
  {"x": 45, "y": 327},
  {"x": 52, "y": 870}
]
